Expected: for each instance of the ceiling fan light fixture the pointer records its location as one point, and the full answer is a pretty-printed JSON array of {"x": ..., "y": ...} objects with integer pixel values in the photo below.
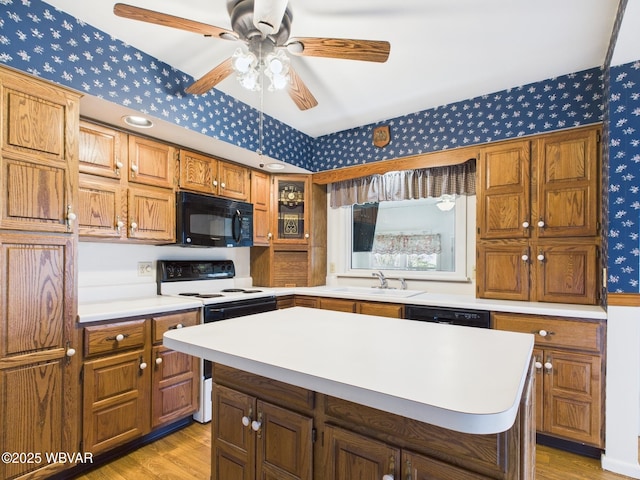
[
  {"x": 244, "y": 62},
  {"x": 276, "y": 67}
]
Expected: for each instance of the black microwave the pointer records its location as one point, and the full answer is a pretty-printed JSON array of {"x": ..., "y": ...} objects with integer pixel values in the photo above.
[{"x": 207, "y": 221}]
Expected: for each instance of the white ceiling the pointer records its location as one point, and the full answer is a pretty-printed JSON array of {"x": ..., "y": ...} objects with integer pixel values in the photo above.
[{"x": 442, "y": 51}]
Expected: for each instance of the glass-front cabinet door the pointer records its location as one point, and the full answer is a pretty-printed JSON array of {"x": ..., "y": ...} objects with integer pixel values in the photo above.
[{"x": 292, "y": 209}]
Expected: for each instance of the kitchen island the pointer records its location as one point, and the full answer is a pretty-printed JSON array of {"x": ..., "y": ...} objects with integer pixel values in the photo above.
[{"x": 364, "y": 394}]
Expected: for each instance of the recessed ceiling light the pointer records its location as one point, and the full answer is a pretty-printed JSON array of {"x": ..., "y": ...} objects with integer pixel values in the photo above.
[
  {"x": 137, "y": 121},
  {"x": 275, "y": 166}
]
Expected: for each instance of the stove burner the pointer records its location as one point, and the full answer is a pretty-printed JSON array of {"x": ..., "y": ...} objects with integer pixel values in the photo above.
[
  {"x": 233, "y": 290},
  {"x": 252, "y": 291}
]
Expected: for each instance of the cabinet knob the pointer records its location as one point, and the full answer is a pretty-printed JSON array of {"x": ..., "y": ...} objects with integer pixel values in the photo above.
[
  {"x": 538, "y": 364},
  {"x": 222, "y": 185},
  {"x": 543, "y": 333},
  {"x": 178, "y": 326},
  {"x": 134, "y": 168},
  {"x": 388, "y": 476},
  {"x": 540, "y": 257},
  {"x": 119, "y": 337},
  {"x": 71, "y": 217},
  {"x": 269, "y": 235},
  {"x": 119, "y": 166},
  {"x": 158, "y": 360},
  {"x": 525, "y": 224},
  {"x": 143, "y": 365},
  {"x": 134, "y": 227},
  {"x": 306, "y": 235},
  {"x": 541, "y": 223},
  {"x": 548, "y": 366},
  {"x": 246, "y": 421},
  {"x": 255, "y": 425},
  {"x": 70, "y": 352},
  {"x": 215, "y": 183},
  {"x": 525, "y": 258}
]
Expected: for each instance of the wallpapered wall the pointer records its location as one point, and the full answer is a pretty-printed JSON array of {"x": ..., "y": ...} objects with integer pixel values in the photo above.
[
  {"x": 36, "y": 38},
  {"x": 624, "y": 179}
]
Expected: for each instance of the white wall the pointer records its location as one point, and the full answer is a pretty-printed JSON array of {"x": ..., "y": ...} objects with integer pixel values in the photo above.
[{"x": 110, "y": 270}]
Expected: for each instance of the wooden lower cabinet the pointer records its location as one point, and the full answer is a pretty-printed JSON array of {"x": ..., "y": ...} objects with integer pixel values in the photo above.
[
  {"x": 381, "y": 309},
  {"x": 131, "y": 383},
  {"x": 266, "y": 429},
  {"x": 569, "y": 366},
  {"x": 252, "y": 438}
]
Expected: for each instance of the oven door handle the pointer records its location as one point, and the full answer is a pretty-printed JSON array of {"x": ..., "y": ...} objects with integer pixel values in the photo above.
[{"x": 237, "y": 218}]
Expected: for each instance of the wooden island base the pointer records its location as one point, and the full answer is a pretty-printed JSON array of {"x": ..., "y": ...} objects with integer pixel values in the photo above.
[{"x": 266, "y": 429}]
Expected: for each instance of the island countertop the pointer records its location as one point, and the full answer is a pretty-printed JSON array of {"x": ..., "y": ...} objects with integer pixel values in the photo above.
[{"x": 461, "y": 378}]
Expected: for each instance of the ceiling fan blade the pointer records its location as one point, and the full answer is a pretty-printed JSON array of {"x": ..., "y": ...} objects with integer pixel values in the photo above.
[
  {"x": 151, "y": 16},
  {"x": 366, "y": 50},
  {"x": 299, "y": 92},
  {"x": 212, "y": 78}
]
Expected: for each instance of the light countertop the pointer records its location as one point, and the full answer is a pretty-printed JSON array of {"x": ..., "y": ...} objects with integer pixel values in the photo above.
[
  {"x": 114, "y": 309},
  {"x": 464, "y": 379}
]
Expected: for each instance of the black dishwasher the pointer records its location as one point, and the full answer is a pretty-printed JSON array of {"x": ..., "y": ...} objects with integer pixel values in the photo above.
[{"x": 451, "y": 316}]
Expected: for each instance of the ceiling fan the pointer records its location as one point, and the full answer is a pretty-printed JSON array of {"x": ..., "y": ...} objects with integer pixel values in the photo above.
[{"x": 264, "y": 26}]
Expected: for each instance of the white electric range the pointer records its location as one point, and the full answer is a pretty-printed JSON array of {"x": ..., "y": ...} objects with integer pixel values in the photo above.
[{"x": 211, "y": 282}]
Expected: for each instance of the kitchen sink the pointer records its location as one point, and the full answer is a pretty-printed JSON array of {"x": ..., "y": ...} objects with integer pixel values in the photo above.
[{"x": 380, "y": 292}]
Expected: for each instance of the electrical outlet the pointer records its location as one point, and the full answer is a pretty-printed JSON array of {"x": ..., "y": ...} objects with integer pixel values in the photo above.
[
  {"x": 332, "y": 267},
  {"x": 145, "y": 269}
]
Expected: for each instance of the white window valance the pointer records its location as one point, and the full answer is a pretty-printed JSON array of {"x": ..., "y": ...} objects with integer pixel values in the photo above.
[{"x": 457, "y": 179}]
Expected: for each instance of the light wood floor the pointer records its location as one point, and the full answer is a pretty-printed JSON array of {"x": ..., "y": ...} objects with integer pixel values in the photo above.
[{"x": 184, "y": 455}]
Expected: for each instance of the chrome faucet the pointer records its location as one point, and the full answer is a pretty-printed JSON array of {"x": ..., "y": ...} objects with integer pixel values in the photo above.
[
  {"x": 381, "y": 277},
  {"x": 403, "y": 284}
]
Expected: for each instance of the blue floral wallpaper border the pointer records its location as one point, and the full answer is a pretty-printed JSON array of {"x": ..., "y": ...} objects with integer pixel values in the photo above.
[{"x": 38, "y": 39}]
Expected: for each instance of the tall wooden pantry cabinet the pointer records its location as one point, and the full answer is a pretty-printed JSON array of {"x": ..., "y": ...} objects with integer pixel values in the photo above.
[{"x": 38, "y": 365}]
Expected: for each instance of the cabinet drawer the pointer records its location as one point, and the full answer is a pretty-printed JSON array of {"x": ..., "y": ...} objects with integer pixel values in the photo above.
[
  {"x": 114, "y": 337},
  {"x": 554, "y": 331},
  {"x": 170, "y": 322}
]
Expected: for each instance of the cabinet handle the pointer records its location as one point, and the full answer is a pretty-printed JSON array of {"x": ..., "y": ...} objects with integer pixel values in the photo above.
[
  {"x": 269, "y": 235},
  {"x": 409, "y": 472},
  {"x": 119, "y": 224},
  {"x": 540, "y": 257},
  {"x": 392, "y": 469},
  {"x": 548, "y": 365},
  {"x": 538, "y": 365},
  {"x": 222, "y": 185},
  {"x": 158, "y": 360},
  {"x": 246, "y": 420},
  {"x": 525, "y": 258},
  {"x": 525, "y": 224},
  {"x": 540, "y": 223},
  {"x": 70, "y": 352},
  {"x": 143, "y": 364},
  {"x": 71, "y": 217},
  {"x": 134, "y": 170},
  {"x": 256, "y": 425},
  {"x": 119, "y": 166},
  {"x": 215, "y": 183},
  {"x": 118, "y": 338},
  {"x": 306, "y": 235},
  {"x": 543, "y": 333},
  {"x": 134, "y": 227},
  {"x": 178, "y": 327}
]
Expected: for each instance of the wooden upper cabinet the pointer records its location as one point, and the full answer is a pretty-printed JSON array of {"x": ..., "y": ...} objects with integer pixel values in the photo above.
[
  {"x": 101, "y": 207},
  {"x": 205, "y": 174},
  {"x": 261, "y": 200},
  {"x": 151, "y": 214},
  {"x": 568, "y": 187},
  {"x": 151, "y": 163},
  {"x": 197, "y": 172},
  {"x": 103, "y": 151},
  {"x": 503, "y": 270},
  {"x": 39, "y": 152},
  {"x": 504, "y": 206}
]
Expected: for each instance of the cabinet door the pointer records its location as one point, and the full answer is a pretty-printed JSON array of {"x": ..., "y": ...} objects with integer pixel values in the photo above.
[
  {"x": 419, "y": 467},
  {"x": 38, "y": 381},
  {"x": 538, "y": 358},
  {"x": 151, "y": 163},
  {"x": 261, "y": 199},
  {"x": 103, "y": 151},
  {"x": 233, "y": 443},
  {"x": 349, "y": 456},
  {"x": 337, "y": 304},
  {"x": 116, "y": 396},
  {"x": 100, "y": 208},
  {"x": 504, "y": 199},
  {"x": 291, "y": 209},
  {"x": 381, "y": 309},
  {"x": 503, "y": 270},
  {"x": 568, "y": 187},
  {"x": 152, "y": 214},
  {"x": 174, "y": 389},
  {"x": 197, "y": 172},
  {"x": 566, "y": 273},
  {"x": 233, "y": 181},
  {"x": 284, "y": 444},
  {"x": 39, "y": 154},
  {"x": 573, "y": 396}
]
